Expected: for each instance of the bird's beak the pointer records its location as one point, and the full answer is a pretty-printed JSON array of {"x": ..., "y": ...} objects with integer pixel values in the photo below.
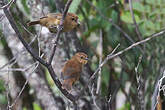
[
  {"x": 78, "y": 23},
  {"x": 86, "y": 59}
]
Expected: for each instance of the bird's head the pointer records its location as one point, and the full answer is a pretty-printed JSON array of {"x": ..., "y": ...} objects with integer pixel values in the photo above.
[
  {"x": 71, "y": 21},
  {"x": 81, "y": 57}
]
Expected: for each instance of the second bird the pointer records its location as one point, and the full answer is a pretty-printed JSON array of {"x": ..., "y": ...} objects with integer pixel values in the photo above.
[
  {"x": 52, "y": 21},
  {"x": 72, "y": 69}
]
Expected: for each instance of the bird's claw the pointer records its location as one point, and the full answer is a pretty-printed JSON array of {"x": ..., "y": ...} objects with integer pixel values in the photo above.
[{"x": 60, "y": 27}]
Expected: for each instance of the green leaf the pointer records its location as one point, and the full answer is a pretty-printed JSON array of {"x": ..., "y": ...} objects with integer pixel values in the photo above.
[
  {"x": 24, "y": 108},
  {"x": 3, "y": 99},
  {"x": 151, "y": 2},
  {"x": 25, "y": 6},
  {"x": 126, "y": 17},
  {"x": 138, "y": 7},
  {"x": 2, "y": 88},
  {"x": 105, "y": 76},
  {"x": 126, "y": 106},
  {"x": 36, "y": 106},
  {"x": 149, "y": 24},
  {"x": 74, "y": 6}
]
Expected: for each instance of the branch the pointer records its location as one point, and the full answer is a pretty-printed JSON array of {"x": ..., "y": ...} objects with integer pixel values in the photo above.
[
  {"x": 97, "y": 70},
  {"x": 94, "y": 98},
  {"x": 59, "y": 85},
  {"x": 134, "y": 20},
  {"x": 19, "y": 94},
  {"x": 35, "y": 56},
  {"x": 8, "y": 5},
  {"x": 139, "y": 88},
  {"x": 100, "y": 60},
  {"x": 59, "y": 31},
  {"x": 115, "y": 25},
  {"x": 59, "y": 5},
  {"x": 111, "y": 55},
  {"x": 28, "y": 48}
]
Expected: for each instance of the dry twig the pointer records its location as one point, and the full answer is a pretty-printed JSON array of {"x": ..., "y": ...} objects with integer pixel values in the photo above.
[
  {"x": 35, "y": 55},
  {"x": 134, "y": 20}
]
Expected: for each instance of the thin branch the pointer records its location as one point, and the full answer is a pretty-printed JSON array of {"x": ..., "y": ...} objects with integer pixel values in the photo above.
[
  {"x": 59, "y": 85},
  {"x": 1, "y": 17},
  {"x": 28, "y": 48},
  {"x": 17, "y": 97},
  {"x": 94, "y": 98},
  {"x": 59, "y": 31},
  {"x": 159, "y": 87},
  {"x": 26, "y": 29},
  {"x": 38, "y": 39},
  {"x": 59, "y": 5},
  {"x": 134, "y": 20},
  {"x": 14, "y": 59},
  {"x": 8, "y": 5},
  {"x": 100, "y": 60},
  {"x": 36, "y": 57},
  {"x": 97, "y": 70},
  {"x": 115, "y": 25},
  {"x": 109, "y": 102},
  {"x": 139, "y": 88},
  {"x": 7, "y": 93},
  {"x": 18, "y": 69},
  {"x": 110, "y": 56}
]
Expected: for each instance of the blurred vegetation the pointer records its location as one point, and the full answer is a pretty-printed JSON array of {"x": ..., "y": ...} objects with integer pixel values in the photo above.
[{"x": 149, "y": 15}]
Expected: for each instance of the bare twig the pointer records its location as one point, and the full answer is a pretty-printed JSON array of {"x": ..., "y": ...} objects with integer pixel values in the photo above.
[
  {"x": 115, "y": 25},
  {"x": 109, "y": 102},
  {"x": 60, "y": 5},
  {"x": 1, "y": 17},
  {"x": 159, "y": 87},
  {"x": 100, "y": 60},
  {"x": 8, "y": 5},
  {"x": 28, "y": 48},
  {"x": 17, "y": 69},
  {"x": 59, "y": 31},
  {"x": 7, "y": 93},
  {"x": 139, "y": 88},
  {"x": 134, "y": 20},
  {"x": 14, "y": 59},
  {"x": 110, "y": 56},
  {"x": 17, "y": 97},
  {"x": 35, "y": 55},
  {"x": 97, "y": 70},
  {"x": 113, "y": 5},
  {"x": 94, "y": 98},
  {"x": 38, "y": 39},
  {"x": 26, "y": 29}
]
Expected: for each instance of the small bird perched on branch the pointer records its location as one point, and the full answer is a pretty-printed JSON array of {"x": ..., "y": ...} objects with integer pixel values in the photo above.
[
  {"x": 72, "y": 69},
  {"x": 52, "y": 21}
]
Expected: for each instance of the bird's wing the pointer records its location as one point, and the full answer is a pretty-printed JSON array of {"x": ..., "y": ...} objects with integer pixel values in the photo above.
[
  {"x": 44, "y": 17},
  {"x": 71, "y": 70},
  {"x": 55, "y": 15}
]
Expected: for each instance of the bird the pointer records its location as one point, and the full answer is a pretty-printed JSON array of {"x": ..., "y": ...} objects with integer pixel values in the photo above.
[
  {"x": 72, "y": 69},
  {"x": 52, "y": 22}
]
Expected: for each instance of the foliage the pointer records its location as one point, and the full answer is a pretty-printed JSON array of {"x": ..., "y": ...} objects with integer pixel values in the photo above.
[{"x": 149, "y": 16}]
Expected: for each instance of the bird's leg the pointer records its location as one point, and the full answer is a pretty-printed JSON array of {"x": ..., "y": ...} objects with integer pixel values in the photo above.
[
  {"x": 53, "y": 28},
  {"x": 60, "y": 27}
]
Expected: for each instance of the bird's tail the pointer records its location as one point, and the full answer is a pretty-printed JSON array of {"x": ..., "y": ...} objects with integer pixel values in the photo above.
[
  {"x": 67, "y": 85},
  {"x": 33, "y": 23}
]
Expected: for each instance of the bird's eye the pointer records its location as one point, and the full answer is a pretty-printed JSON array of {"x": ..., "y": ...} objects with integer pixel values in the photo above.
[
  {"x": 81, "y": 57},
  {"x": 73, "y": 19}
]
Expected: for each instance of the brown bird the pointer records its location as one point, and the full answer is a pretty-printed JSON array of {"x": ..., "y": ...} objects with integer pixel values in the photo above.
[
  {"x": 52, "y": 21},
  {"x": 72, "y": 69}
]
